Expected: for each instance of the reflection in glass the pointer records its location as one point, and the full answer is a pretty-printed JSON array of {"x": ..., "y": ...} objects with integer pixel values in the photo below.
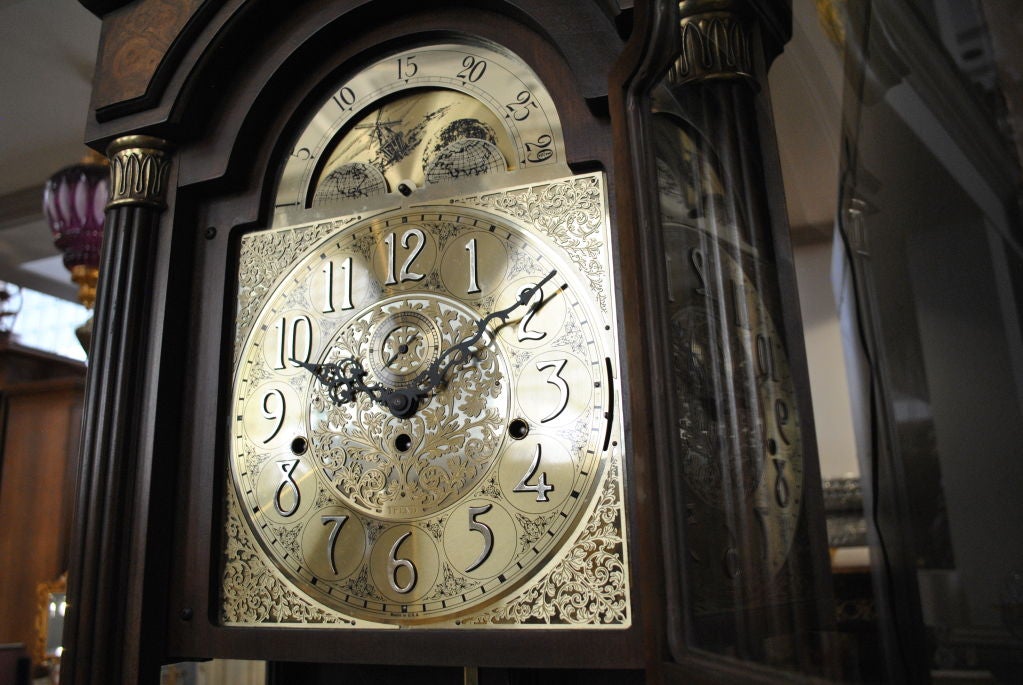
[{"x": 748, "y": 585}]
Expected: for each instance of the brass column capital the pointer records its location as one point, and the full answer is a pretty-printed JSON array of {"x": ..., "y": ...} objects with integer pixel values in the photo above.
[
  {"x": 716, "y": 38},
  {"x": 139, "y": 166}
]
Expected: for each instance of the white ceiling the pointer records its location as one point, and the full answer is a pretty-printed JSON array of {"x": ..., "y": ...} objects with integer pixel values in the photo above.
[{"x": 47, "y": 52}]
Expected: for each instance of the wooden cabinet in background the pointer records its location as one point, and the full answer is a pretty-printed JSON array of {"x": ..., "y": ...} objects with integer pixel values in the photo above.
[{"x": 41, "y": 411}]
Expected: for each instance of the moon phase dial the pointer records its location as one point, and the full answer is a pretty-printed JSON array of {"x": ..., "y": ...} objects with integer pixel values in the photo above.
[{"x": 422, "y": 116}]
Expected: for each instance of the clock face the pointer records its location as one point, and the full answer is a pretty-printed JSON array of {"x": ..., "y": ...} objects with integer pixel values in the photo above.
[
  {"x": 430, "y": 515},
  {"x": 425, "y": 422},
  {"x": 740, "y": 446}
]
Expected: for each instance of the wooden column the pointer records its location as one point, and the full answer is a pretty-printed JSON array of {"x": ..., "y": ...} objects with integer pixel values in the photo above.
[{"x": 106, "y": 625}]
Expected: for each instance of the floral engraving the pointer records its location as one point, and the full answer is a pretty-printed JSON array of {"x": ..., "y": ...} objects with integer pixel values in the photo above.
[
  {"x": 264, "y": 257},
  {"x": 251, "y": 592},
  {"x": 452, "y": 441},
  {"x": 588, "y": 586},
  {"x": 570, "y": 212}
]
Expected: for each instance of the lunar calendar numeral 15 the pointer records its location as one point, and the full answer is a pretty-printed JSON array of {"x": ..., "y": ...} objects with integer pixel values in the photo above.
[
  {"x": 406, "y": 67},
  {"x": 346, "y": 286},
  {"x": 541, "y": 488}
]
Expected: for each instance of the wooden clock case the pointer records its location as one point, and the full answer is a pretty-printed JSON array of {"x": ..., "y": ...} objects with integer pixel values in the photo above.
[{"x": 219, "y": 89}]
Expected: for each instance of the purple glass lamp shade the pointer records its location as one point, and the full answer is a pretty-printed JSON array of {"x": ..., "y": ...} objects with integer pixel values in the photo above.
[{"x": 74, "y": 201}]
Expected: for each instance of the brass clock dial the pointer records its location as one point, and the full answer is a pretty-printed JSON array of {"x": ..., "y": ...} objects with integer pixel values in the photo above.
[
  {"x": 435, "y": 514},
  {"x": 426, "y": 423}
]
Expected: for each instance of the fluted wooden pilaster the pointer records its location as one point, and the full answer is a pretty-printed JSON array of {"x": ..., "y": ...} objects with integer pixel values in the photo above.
[{"x": 104, "y": 628}]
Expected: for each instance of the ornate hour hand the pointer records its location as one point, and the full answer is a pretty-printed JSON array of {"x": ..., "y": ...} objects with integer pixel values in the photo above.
[{"x": 344, "y": 380}]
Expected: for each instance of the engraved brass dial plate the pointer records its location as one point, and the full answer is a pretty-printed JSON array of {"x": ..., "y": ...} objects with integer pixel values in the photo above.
[{"x": 499, "y": 501}]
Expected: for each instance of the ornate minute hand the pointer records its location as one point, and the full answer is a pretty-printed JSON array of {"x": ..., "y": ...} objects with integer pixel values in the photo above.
[
  {"x": 404, "y": 402},
  {"x": 459, "y": 352}
]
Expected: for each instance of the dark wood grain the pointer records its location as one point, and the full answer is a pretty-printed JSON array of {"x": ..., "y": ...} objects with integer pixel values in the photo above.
[
  {"x": 134, "y": 42},
  {"x": 113, "y": 629}
]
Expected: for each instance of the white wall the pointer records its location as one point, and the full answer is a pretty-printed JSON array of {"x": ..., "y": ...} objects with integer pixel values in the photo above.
[{"x": 828, "y": 385}]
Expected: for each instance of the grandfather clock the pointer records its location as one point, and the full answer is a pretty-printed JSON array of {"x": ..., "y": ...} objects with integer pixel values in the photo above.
[{"x": 455, "y": 341}]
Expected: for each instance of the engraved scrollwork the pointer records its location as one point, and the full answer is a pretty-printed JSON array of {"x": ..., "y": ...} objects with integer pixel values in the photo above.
[
  {"x": 264, "y": 256},
  {"x": 588, "y": 586},
  {"x": 491, "y": 489},
  {"x": 533, "y": 528},
  {"x": 452, "y": 441},
  {"x": 436, "y": 528},
  {"x": 362, "y": 586},
  {"x": 324, "y": 498},
  {"x": 445, "y": 232},
  {"x": 254, "y": 460},
  {"x": 451, "y": 584},
  {"x": 570, "y": 213},
  {"x": 287, "y": 537},
  {"x": 252, "y": 593},
  {"x": 571, "y": 336}
]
